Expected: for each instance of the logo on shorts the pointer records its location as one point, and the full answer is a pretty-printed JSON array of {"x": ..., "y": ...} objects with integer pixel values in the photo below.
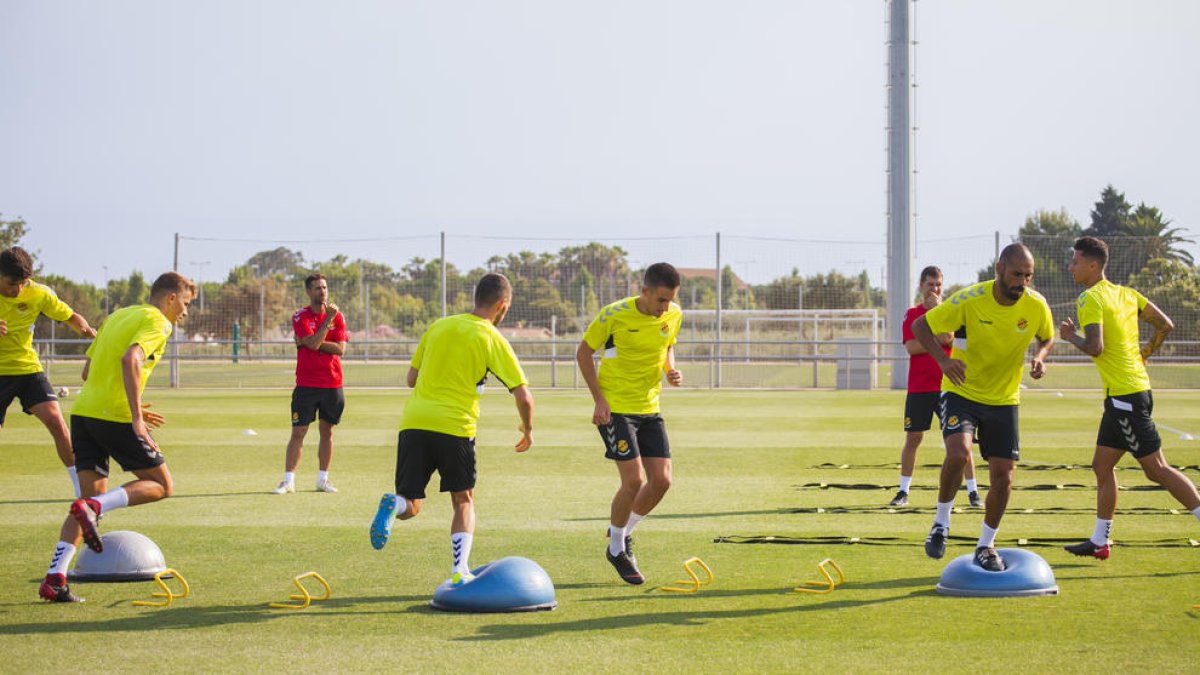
[
  {"x": 622, "y": 447},
  {"x": 1022, "y": 324},
  {"x": 952, "y": 422},
  {"x": 295, "y": 417},
  {"x": 907, "y": 422}
]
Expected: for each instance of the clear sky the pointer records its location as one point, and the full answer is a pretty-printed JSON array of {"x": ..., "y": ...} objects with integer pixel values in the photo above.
[{"x": 123, "y": 122}]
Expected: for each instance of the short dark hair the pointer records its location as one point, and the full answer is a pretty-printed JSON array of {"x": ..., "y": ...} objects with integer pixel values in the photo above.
[
  {"x": 1013, "y": 250},
  {"x": 930, "y": 271},
  {"x": 312, "y": 279},
  {"x": 171, "y": 282},
  {"x": 1093, "y": 248},
  {"x": 16, "y": 263},
  {"x": 661, "y": 275},
  {"x": 492, "y": 288}
]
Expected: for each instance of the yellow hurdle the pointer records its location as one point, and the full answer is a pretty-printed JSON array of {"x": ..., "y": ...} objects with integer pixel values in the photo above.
[
  {"x": 693, "y": 582},
  {"x": 166, "y": 594},
  {"x": 304, "y": 596},
  {"x": 829, "y": 584}
]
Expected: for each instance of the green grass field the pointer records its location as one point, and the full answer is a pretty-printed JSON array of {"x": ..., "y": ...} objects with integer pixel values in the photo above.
[{"x": 741, "y": 461}]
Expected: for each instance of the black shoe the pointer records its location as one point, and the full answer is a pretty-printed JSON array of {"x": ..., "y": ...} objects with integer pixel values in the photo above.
[
  {"x": 629, "y": 549},
  {"x": 973, "y": 496},
  {"x": 989, "y": 559},
  {"x": 625, "y": 567},
  {"x": 935, "y": 543},
  {"x": 1087, "y": 548},
  {"x": 901, "y": 499},
  {"x": 55, "y": 589}
]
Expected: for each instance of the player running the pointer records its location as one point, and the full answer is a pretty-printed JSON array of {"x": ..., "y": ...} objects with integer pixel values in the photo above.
[
  {"x": 637, "y": 336},
  {"x": 437, "y": 431},
  {"x": 110, "y": 419},
  {"x": 22, "y": 301},
  {"x": 924, "y": 388},
  {"x": 993, "y": 323},
  {"x": 1109, "y": 315}
]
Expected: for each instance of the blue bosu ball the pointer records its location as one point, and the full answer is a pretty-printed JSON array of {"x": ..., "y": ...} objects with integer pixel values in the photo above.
[
  {"x": 1025, "y": 573},
  {"x": 511, "y": 584}
]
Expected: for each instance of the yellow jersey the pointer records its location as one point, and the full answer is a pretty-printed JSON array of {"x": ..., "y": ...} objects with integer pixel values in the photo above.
[
  {"x": 991, "y": 339},
  {"x": 17, "y": 356},
  {"x": 103, "y": 394},
  {"x": 1115, "y": 309},
  {"x": 634, "y": 354},
  {"x": 453, "y": 360}
]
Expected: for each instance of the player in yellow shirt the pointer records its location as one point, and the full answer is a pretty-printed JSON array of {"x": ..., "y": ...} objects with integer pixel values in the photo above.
[
  {"x": 22, "y": 301},
  {"x": 993, "y": 322},
  {"x": 636, "y": 338},
  {"x": 1109, "y": 315},
  {"x": 437, "y": 432},
  {"x": 110, "y": 420}
]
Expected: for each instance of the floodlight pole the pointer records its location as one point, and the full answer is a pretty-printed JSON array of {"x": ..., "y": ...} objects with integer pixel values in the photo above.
[{"x": 899, "y": 183}]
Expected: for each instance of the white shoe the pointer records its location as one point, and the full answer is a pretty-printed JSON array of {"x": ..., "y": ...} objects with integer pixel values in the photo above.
[
  {"x": 284, "y": 488},
  {"x": 325, "y": 486}
]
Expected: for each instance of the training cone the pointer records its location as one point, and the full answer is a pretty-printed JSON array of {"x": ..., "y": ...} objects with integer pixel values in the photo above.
[
  {"x": 127, "y": 556},
  {"x": 1025, "y": 573},
  {"x": 510, "y": 584}
]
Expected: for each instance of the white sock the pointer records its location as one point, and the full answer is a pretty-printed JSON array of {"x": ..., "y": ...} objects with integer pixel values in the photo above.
[
  {"x": 63, "y": 552},
  {"x": 322, "y": 476},
  {"x": 1196, "y": 512},
  {"x": 113, "y": 499},
  {"x": 972, "y": 486},
  {"x": 1100, "y": 534},
  {"x": 988, "y": 537},
  {"x": 289, "y": 477},
  {"x": 401, "y": 505},
  {"x": 905, "y": 482},
  {"x": 634, "y": 519},
  {"x": 943, "y": 513},
  {"x": 74, "y": 480},
  {"x": 616, "y": 540},
  {"x": 460, "y": 546}
]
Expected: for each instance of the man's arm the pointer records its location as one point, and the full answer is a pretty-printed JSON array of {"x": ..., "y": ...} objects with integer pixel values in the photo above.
[
  {"x": 131, "y": 373},
  {"x": 602, "y": 414},
  {"x": 914, "y": 347},
  {"x": 80, "y": 326},
  {"x": 335, "y": 348},
  {"x": 1037, "y": 367},
  {"x": 524, "y": 400},
  {"x": 412, "y": 377},
  {"x": 87, "y": 365},
  {"x": 1092, "y": 341},
  {"x": 674, "y": 377},
  {"x": 953, "y": 369},
  {"x": 1162, "y": 323},
  {"x": 317, "y": 339}
]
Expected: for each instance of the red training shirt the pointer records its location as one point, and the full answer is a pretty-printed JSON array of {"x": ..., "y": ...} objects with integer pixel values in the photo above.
[
  {"x": 314, "y": 368},
  {"x": 923, "y": 372}
]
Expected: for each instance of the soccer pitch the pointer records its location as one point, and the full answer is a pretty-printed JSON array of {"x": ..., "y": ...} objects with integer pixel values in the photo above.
[{"x": 745, "y": 464}]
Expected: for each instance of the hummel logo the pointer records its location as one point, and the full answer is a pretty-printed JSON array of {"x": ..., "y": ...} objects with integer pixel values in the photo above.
[
  {"x": 1130, "y": 437},
  {"x": 633, "y": 330},
  {"x": 985, "y": 321}
]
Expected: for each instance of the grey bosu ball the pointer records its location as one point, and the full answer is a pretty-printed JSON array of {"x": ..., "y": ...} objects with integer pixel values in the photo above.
[{"x": 127, "y": 556}]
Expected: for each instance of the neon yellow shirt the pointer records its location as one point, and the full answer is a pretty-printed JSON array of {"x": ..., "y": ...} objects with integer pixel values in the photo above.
[
  {"x": 453, "y": 359},
  {"x": 635, "y": 352},
  {"x": 1116, "y": 309},
  {"x": 991, "y": 339},
  {"x": 17, "y": 356},
  {"x": 103, "y": 394}
]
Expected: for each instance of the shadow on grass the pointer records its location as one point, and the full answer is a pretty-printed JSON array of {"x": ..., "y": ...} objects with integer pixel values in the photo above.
[
  {"x": 67, "y": 502},
  {"x": 678, "y": 618},
  {"x": 692, "y": 516},
  {"x": 889, "y": 584}
]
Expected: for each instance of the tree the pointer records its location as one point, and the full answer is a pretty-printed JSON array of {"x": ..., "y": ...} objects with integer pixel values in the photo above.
[
  {"x": 1175, "y": 287},
  {"x": 1050, "y": 236},
  {"x": 282, "y": 261},
  {"x": 1162, "y": 241},
  {"x": 1110, "y": 215},
  {"x": 11, "y": 231}
]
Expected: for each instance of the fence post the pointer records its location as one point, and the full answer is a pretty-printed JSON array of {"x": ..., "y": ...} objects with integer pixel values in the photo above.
[
  {"x": 553, "y": 350},
  {"x": 262, "y": 322},
  {"x": 442, "y": 265},
  {"x": 720, "y": 301}
]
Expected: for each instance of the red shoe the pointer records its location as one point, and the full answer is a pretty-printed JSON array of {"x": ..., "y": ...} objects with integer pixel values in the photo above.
[
  {"x": 55, "y": 589},
  {"x": 1087, "y": 548},
  {"x": 85, "y": 512}
]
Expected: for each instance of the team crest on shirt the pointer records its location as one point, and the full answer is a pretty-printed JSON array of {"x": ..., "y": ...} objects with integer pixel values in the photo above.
[
  {"x": 1022, "y": 324},
  {"x": 665, "y": 330},
  {"x": 22, "y": 307}
]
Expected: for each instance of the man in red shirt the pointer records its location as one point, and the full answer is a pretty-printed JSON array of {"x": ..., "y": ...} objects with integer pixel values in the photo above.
[
  {"x": 320, "y": 342},
  {"x": 924, "y": 388}
]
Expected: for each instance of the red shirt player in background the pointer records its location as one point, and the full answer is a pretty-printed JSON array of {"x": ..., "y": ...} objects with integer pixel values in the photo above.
[
  {"x": 924, "y": 388},
  {"x": 320, "y": 342}
]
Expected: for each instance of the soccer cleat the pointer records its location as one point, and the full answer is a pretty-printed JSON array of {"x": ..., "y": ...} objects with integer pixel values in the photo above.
[
  {"x": 461, "y": 578},
  {"x": 935, "y": 543},
  {"x": 629, "y": 549},
  {"x": 85, "y": 514},
  {"x": 973, "y": 496},
  {"x": 325, "y": 486},
  {"x": 625, "y": 567},
  {"x": 901, "y": 499},
  {"x": 381, "y": 527},
  {"x": 1087, "y": 548},
  {"x": 284, "y": 488},
  {"x": 55, "y": 589},
  {"x": 989, "y": 559}
]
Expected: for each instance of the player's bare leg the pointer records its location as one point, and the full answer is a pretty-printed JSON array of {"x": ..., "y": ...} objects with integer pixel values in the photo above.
[
  {"x": 49, "y": 413},
  {"x": 324, "y": 456},
  {"x": 462, "y": 534},
  {"x": 1158, "y": 470},
  {"x": 958, "y": 455}
]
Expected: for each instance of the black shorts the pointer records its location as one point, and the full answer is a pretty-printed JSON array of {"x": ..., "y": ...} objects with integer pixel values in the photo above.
[
  {"x": 96, "y": 440},
  {"x": 631, "y": 436},
  {"x": 32, "y": 389},
  {"x": 1126, "y": 424},
  {"x": 919, "y": 409},
  {"x": 308, "y": 401},
  {"x": 994, "y": 427},
  {"x": 419, "y": 453}
]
